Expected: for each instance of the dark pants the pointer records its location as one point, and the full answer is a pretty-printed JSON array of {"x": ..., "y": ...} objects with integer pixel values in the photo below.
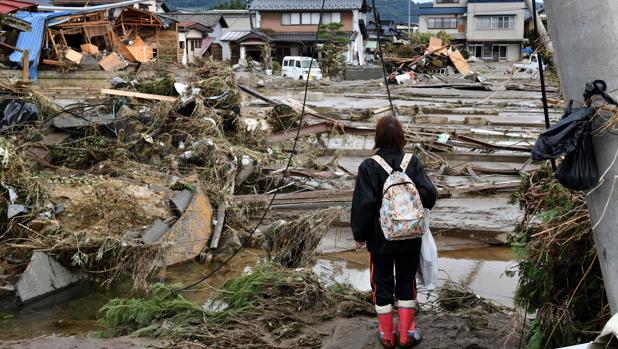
[{"x": 400, "y": 284}]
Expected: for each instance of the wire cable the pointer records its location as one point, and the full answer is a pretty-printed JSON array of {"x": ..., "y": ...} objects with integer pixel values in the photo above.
[
  {"x": 283, "y": 175},
  {"x": 542, "y": 77},
  {"x": 376, "y": 20}
]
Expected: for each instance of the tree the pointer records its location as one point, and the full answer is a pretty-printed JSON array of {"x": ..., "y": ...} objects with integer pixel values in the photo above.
[
  {"x": 334, "y": 44},
  {"x": 232, "y": 5}
]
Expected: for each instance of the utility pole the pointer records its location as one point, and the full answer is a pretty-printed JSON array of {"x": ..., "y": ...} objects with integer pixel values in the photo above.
[
  {"x": 583, "y": 33},
  {"x": 409, "y": 18}
]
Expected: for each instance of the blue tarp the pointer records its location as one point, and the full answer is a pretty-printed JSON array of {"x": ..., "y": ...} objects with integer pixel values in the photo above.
[{"x": 33, "y": 40}]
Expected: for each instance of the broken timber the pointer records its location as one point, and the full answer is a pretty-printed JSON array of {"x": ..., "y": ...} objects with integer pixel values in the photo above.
[
  {"x": 122, "y": 93},
  {"x": 189, "y": 236}
]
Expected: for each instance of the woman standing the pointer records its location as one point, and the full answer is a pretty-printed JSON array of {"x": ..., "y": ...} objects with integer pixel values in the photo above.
[{"x": 401, "y": 256}]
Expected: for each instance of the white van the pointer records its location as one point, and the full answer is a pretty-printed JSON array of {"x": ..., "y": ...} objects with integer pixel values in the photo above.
[{"x": 297, "y": 67}]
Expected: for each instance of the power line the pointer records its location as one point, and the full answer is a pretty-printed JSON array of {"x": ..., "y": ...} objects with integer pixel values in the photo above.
[{"x": 283, "y": 175}]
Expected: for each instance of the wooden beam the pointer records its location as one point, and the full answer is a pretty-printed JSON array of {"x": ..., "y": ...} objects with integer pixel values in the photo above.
[
  {"x": 25, "y": 61},
  {"x": 138, "y": 95}
]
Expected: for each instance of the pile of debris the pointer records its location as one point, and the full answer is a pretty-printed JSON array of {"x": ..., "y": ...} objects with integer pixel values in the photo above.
[
  {"x": 559, "y": 273},
  {"x": 123, "y": 187},
  {"x": 435, "y": 58},
  {"x": 86, "y": 39}
]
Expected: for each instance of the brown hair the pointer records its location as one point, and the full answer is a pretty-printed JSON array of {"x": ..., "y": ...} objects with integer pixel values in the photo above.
[{"x": 389, "y": 134}]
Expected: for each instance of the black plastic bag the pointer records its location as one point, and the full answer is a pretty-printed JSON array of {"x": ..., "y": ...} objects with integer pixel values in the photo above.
[
  {"x": 15, "y": 112},
  {"x": 579, "y": 169},
  {"x": 564, "y": 137}
]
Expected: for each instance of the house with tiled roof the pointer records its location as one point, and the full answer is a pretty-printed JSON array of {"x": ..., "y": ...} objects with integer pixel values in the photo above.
[
  {"x": 199, "y": 34},
  {"x": 491, "y": 30},
  {"x": 291, "y": 25}
]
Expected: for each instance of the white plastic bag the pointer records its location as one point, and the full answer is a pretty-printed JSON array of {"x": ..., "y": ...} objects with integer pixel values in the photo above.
[{"x": 429, "y": 257}]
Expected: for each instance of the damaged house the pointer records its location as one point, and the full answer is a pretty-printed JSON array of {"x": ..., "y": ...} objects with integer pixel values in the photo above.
[
  {"x": 492, "y": 30},
  {"x": 292, "y": 24},
  {"x": 199, "y": 34},
  {"x": 107, "y": 37}
]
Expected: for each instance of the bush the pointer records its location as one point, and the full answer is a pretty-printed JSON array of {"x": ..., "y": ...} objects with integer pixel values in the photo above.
[{"x": 276, "y": 67}]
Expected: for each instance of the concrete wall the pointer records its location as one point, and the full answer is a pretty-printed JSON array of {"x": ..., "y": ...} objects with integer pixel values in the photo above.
[
  {"x": 216, "y": 34},
  {"x": 272, "y": 21},
  {"x": 423, "y": 26},
  {"x": 461, "y": 3},
  {"x": 583, "y": 33},
  {"x": 487, "y": 9}
]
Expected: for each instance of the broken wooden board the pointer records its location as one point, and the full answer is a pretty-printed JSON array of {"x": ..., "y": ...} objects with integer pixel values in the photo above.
[
  {"x": 73, "y": 56},
  {"x": 189, "y": 236},
  {"x": 106, "y": 91},
  {"x": 89, "y": 49},
  {"x": 460, "y": 62},
  {"x": 141, "y": 52},
  {"x": 437, "y": 47},
  {"x": 112, "y": 62}
]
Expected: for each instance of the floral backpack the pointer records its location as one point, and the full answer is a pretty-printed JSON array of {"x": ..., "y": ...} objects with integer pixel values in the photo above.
[{"x": 401, "y": 214}]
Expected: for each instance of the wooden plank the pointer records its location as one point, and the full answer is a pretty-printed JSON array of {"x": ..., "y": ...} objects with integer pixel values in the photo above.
[
  {"x": 138, "y": 95},
  {"x": 112, "y": 62},
  {"x": 459, "y": 62},
  {"x": 52, "y": 62}
]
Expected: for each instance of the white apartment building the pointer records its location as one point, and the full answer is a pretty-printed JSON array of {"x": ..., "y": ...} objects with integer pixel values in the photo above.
[{"x": 492, "y": 30}]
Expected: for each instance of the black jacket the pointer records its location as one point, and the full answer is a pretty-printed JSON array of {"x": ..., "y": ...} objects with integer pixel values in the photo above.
[{"x": 368, "y": 198}]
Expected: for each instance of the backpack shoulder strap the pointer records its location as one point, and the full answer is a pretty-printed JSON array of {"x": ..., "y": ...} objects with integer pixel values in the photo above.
[
  {"x": 383, "y": 163},
  {"x": 406, "y": 162}
]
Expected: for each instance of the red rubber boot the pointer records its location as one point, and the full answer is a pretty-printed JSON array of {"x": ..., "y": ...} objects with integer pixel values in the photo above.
[
  {"x": 387, "y": 329},
  {"x": 409, "y": 335}
]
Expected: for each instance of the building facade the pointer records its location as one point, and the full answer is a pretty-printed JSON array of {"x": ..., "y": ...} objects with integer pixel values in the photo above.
[
  {"x": 199, "y": 34},
  {"x": 291, "y": 25},
  {"x": 491, "y": 30}
]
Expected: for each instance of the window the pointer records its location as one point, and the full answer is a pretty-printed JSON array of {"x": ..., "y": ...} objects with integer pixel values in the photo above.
[
  {"x": 447, "y": 1},
  {"x": 315, "y": 18},
  {"x": 292, "y": 63},
  {"x": 298, "y": 64},
  {"x": 182, "y": 44},
  {"x": 495, "y": 22},
  {"x": 309, "y": 18},
  {"x": 331, "y": 17},
  {"x": 441, "y": 23},
  {"x": 285, "y": 63},
  {"x": 295, "y": 18},
  {"x": 306, "y": 18},
  {"x": 286, "y": 18},
  {"x": 198, "y": 44}
]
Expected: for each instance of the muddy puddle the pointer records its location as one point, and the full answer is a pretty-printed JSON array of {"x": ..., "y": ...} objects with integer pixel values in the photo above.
[{"x": 480, "y": 269}]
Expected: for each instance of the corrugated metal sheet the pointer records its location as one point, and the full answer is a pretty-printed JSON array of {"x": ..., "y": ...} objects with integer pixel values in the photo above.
[
  {"x": 233, "y": 36},
  {"x": 10, "y": 6},
  {"x": 33, "y": 40},
  {"x": 288, "y": 5}
]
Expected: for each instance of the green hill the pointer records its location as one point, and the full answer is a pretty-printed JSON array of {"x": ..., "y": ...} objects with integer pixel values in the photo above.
[{"x": 389, "y": 9}]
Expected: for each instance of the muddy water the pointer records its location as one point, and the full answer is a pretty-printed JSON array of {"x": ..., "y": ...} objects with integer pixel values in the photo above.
[{"x": 480, "y": 269}]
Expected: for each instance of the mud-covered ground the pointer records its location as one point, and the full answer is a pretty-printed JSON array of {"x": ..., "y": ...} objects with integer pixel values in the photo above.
[{"x": 442, "y": 330}]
